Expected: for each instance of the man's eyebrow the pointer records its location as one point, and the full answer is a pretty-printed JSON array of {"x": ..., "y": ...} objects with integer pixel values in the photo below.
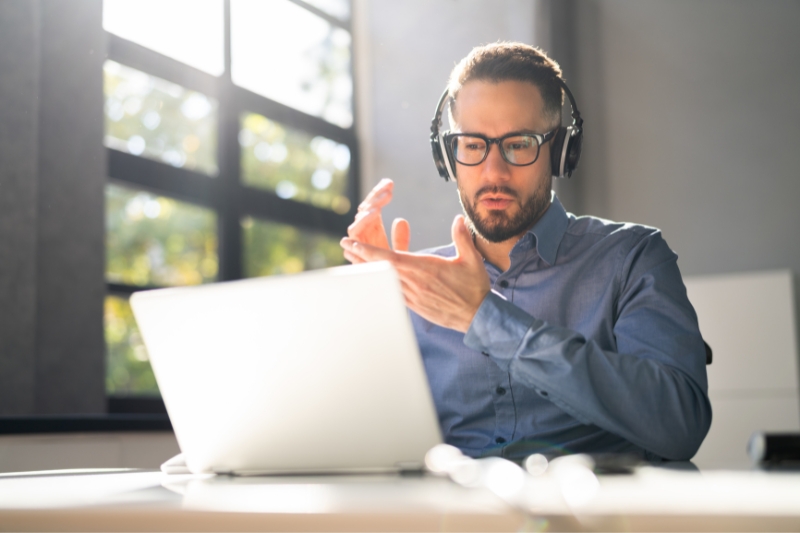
[
  {"x": 513, "y": 132},
  {"x": 530, "y": 132}
]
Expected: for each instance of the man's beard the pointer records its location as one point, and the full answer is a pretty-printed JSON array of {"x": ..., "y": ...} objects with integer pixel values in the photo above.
[{"x": 497, "y": 225}]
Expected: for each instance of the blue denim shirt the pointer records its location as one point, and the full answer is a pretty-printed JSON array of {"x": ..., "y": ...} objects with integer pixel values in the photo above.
[{"x": 587, "y": 343}]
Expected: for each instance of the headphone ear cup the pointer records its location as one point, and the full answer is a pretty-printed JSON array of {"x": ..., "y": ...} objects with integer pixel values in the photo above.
[
  {"x": 573, "y": 152},
  {"x": 438, "y": 159},
  {"x": 557, "y": 151},
  {"x": 451, "y": 160}
]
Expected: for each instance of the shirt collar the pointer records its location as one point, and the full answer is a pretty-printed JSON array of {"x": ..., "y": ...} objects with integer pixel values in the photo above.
[{"x": 550, "y": 229}]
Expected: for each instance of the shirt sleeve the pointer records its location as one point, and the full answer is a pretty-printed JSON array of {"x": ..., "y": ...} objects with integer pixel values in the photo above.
[{"x": 652, "y": 390}]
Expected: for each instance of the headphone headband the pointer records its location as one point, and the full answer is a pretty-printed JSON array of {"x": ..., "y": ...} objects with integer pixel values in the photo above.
[{"x": 565, "y": 148}]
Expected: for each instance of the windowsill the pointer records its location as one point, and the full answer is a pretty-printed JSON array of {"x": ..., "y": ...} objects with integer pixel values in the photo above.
[
  {"x": 14, "y": 425},
  {"x": 135, "y": 405}
]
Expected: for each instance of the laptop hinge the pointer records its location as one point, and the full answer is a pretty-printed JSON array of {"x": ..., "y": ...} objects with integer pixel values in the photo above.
[{"x": 410, "y": 467}]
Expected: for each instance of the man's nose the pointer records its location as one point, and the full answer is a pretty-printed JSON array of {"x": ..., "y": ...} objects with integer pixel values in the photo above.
[{"x": 494, "y": 166}]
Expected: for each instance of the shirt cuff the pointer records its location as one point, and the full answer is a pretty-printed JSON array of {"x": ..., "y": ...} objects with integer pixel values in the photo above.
[{"x": 498, "y": 329}]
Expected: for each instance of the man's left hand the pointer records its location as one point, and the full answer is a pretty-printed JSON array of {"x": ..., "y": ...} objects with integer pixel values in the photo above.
[{"x": 444, "y": 290}]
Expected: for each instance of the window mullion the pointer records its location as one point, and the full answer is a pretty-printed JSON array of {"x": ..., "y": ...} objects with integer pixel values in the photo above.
[
  {"x": 322, "y": 14},
  {"x": 230, "y": 239}
]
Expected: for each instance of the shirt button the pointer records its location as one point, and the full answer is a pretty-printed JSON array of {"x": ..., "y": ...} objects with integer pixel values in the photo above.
[
  {"x": 543, "y": 393},
  {"x": 504, "y": 284},
  {"x": 484, "y": 353},
  {"x": 500, "y": 391},
  {"x": 499, "y": 440}
]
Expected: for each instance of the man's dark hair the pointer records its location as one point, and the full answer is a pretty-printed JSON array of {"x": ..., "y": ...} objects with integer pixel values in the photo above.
[{"x": 504, "y": 61}]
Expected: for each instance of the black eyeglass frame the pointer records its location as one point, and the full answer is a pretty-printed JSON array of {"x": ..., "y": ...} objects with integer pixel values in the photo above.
[{"x": 540, "y": 140}]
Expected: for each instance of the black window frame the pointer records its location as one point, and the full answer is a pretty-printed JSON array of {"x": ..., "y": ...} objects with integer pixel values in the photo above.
[{"x": 226, "y": 194}]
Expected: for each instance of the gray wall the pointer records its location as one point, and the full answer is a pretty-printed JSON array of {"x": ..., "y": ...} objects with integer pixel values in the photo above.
[
  {"x": 19, "y": 79},
  {"x": 406, "y": 51},
  {"x": 690, "y": 107},
  {"x": 692, "y": 123},
  {"x": 52, "y": 174}
]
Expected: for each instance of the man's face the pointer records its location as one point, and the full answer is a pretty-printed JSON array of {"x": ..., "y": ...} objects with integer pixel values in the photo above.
[{"x": 502, "y": 201}]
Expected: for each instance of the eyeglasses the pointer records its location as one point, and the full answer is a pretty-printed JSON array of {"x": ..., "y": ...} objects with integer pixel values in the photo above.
[{"x": 518, "y": 149}]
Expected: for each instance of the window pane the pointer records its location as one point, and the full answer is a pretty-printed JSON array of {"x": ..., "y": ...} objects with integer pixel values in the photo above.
[
  {"x": 338, "y": 8},
  {"x": 127, "y": 365},
  {"x": 272, "y": 248},
  {"x": 159, "y": 120},
  {"x": 155, "y": 240},
  {"x": 190, "y": 31},
  {"x": 294, "y": 164},
  {"x": 288, "y": 54}
]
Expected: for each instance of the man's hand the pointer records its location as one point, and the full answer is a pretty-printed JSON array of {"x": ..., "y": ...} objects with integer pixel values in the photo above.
[
  {"x": 445, "y": 291},
  {"x": 368, "y": 227}
]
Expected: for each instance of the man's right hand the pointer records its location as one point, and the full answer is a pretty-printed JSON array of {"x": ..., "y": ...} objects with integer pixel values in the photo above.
[{"x": 368, "y": 226}]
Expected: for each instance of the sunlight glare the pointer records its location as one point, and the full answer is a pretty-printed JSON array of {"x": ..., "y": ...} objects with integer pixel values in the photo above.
[
  {"x": 312, "y": 57},
  {"x": 190, "y": 31},
  {"x": 503, "y": 477}
]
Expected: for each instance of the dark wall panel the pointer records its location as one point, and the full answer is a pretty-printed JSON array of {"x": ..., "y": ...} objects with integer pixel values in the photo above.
[
  {"x": 72, "y": 166},
  {"x": 18, "y": 156}
]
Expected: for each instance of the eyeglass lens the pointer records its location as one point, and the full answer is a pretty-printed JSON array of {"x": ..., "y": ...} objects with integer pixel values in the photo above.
[{"x": 517, "y": 150}]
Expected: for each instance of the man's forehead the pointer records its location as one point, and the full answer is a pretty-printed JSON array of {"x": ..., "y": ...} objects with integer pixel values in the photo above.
[{"x": 504, "y": 105}]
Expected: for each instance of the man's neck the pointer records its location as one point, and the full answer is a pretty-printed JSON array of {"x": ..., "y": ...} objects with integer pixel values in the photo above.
[{"x": 497, "y": 253}]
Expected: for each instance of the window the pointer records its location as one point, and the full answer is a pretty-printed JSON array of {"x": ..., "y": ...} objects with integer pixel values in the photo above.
[
  {"x": 229, "y": 130},
  {"x": 294, "y": 164}
]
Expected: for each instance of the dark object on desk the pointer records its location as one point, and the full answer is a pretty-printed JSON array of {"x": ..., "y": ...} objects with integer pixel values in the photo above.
[
  {"x": 774, "y": 449},
  {"x": 615, "y": 463}
]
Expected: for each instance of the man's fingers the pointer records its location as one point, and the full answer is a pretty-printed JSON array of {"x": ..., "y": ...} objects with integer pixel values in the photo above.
[
  {"x": 381, "y": 186},
  {"x": 366, "y": 252},
  {"x": 462, "y": 238},
  {"x": 401, "y": 235},
  {"x": 367, "y": 227},
  {"x": 354, "y": 259},
  {"x": 379, "y": 196},
  {"x": 364, "y": 214},
  {"x": 378, "y": 201},
  {"x": 362, "y": 220}
]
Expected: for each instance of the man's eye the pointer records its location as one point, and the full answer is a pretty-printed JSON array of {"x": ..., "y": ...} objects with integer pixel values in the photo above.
[
  {"x": 519, "y": 144},
  {"x": 471, "y": 144}
]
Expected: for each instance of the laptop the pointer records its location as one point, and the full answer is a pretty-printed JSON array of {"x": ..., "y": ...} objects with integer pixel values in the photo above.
[{"x": 317, "y": 372}]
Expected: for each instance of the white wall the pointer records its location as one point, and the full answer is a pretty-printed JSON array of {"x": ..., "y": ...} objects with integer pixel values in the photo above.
[
  {"x": 405, "y": 53},
  {"x": 753, "y": 384}
]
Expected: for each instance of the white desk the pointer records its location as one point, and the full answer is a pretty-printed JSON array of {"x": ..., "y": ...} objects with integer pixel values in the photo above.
[{"x": 651, "y": 500}]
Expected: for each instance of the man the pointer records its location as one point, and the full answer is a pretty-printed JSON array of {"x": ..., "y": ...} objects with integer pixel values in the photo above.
[{"x": 541, "y": 331}]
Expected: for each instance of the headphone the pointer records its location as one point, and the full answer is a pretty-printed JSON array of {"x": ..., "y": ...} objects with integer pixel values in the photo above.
[{"x": 565, "y": 146}]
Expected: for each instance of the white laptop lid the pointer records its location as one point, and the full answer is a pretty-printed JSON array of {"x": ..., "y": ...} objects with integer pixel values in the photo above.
[{"x": 314, "y": 372}]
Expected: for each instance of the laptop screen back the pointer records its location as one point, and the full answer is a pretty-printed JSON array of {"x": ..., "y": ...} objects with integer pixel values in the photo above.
[{"x": 314, "y": 372}]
